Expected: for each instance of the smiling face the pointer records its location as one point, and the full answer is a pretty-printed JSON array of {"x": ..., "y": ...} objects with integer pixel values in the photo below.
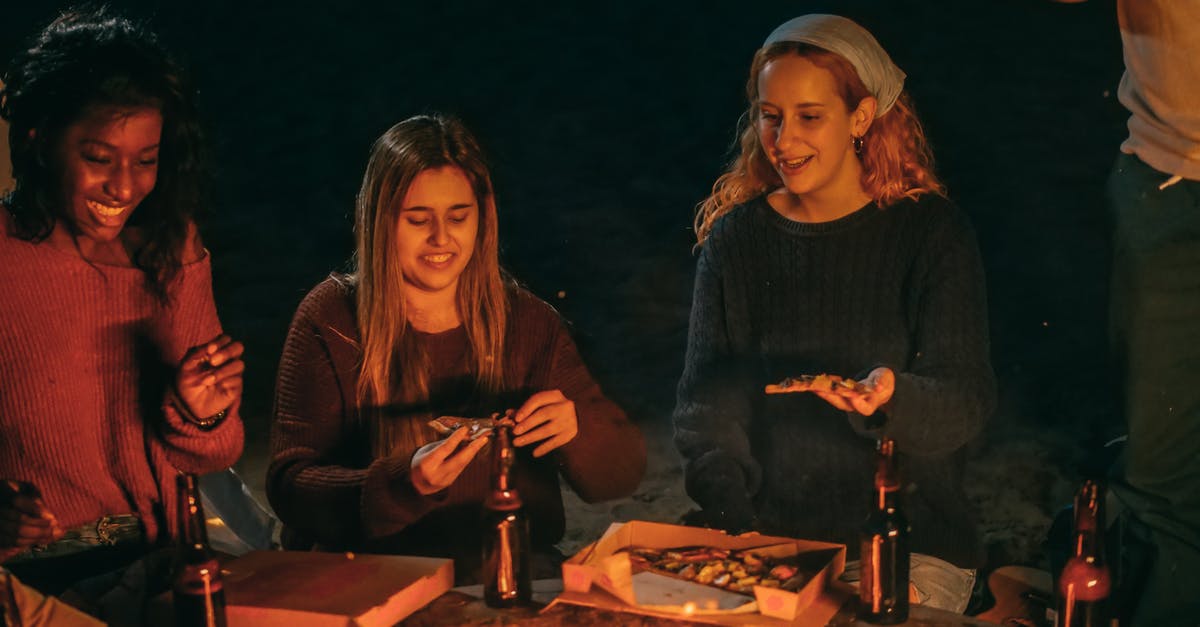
[
  {"x": 109, "y": 161},
  {"x": 436, "y": 230},
  {"x": 806, "y": 129}
]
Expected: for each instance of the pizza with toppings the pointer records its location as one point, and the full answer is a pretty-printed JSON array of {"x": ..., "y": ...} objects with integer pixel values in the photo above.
[
  {"x": 476, "y": 427},
  {"x": 736, "y": 571},
  {"x": 818, "y": 383}
]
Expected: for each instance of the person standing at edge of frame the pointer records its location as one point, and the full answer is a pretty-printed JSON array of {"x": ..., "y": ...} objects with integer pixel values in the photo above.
[{"x": 1154, "y": 189}]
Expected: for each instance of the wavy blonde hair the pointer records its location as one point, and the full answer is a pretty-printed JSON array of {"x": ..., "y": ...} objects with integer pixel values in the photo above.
[
  {"x": 896, "y": 160},
  {"x": 393, "y": 383}
]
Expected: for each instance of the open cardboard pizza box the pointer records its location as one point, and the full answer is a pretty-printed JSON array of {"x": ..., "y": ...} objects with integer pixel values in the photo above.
[{"x": 601, "y": 575}]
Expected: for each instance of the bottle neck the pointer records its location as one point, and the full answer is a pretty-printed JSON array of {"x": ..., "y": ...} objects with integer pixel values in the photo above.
[
  {"x": 503, "y": 481},
  {"x": 1089, "y": 523},
  {"x": 1089, "y": 547},
  {"x": 193, "y": 534},
  {"x": 885, "y": 498},
  {"x": 504, "y": 495},
  {"x": 887, "y": 478}
]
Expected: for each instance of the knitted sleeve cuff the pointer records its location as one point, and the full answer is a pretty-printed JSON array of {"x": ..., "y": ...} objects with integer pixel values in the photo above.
[
  {"x": 180, "y": 417},
  {"x": 718, "y": 484},
  {"x": 390, "y": 501},
  {"x": 873, "y": 426}
]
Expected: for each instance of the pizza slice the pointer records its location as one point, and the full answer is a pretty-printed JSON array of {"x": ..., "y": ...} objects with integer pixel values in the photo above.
[
  {"x": 818, "y": 383},
  {"x": 476, "y": 427}
]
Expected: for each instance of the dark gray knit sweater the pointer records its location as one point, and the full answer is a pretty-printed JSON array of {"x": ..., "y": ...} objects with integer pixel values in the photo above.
[{"x": 901, "y": 287}]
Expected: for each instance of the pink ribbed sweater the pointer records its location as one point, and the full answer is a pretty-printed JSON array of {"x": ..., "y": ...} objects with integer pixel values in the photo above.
[{"x": 86, "y": 356}]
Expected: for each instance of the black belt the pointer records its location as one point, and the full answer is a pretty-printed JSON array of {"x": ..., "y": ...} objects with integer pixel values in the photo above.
[{"x": 107, "y": 531}]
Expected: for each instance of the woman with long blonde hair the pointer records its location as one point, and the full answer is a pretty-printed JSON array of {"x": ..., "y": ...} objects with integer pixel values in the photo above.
[
  {"x": 829, "y": 247},
  {"x": 427, "y": 326}
]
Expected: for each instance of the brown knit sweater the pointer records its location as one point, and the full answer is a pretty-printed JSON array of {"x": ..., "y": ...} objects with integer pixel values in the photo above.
[
  {"x": 86, "y": 355},
  {"x": 326, "y": 486}
]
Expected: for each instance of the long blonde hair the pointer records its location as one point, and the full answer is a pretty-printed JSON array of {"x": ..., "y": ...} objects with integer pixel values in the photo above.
[
  {"x": 896, "y": 160},
  {"x": 394, "y": 376}
]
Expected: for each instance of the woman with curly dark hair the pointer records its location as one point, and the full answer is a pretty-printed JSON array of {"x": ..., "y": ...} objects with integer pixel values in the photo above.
[{"x": 114, "y": 371}]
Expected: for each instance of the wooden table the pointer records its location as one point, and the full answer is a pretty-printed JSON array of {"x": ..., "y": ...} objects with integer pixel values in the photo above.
[{"x": 464, "y": 606}]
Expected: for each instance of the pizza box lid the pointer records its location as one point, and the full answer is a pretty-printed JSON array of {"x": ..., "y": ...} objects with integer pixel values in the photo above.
[{"x": 290, "y": 588}]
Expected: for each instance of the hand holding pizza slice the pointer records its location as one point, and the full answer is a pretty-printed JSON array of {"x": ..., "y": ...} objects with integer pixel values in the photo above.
[
  {"x": 819, "y": 383},
  {"x": 864, "y": 397}
]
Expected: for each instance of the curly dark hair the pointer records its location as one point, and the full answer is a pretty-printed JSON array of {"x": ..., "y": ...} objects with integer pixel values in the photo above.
[{"x": 88, "y": 59}]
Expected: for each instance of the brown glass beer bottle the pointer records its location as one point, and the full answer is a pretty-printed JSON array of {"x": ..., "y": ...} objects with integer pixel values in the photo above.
[
  {"x": 506, "y": 576},
  {"x": 883, "y": 587},
  {"x": 1085, "y": 581},
  {"x": 199, "y": 597}
]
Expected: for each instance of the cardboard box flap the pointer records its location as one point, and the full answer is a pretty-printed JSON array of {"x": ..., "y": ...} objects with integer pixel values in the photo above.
[{"x": 817, "y": 615}]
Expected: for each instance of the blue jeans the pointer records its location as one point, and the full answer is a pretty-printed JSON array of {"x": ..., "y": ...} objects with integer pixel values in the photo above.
[
  {"x": 937, "y": 583},
  {"x": 1155, "y": 325}
]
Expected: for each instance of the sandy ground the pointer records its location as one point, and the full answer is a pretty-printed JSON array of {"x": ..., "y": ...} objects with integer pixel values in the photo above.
[{"x": 606, "y": 124}]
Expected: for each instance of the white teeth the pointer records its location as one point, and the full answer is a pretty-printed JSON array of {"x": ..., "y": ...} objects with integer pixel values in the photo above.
[
  {"x": 105, "y": 210},
  {"x": 442, "y": 258},
  {"x": 795, "y": 163}
]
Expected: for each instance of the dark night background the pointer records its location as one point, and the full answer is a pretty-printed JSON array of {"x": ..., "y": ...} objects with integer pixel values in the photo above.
[{"x": 607, "y": 123}]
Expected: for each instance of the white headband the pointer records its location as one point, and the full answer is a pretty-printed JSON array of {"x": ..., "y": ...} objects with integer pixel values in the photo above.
[{"x": 852, "y": 42}]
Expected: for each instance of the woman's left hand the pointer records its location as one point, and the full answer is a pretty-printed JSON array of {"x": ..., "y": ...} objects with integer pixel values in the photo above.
[
  {"x": 209, "y": 380},
  {"x": 880, "y": 384},
  {"x": 547, "y": 417}
]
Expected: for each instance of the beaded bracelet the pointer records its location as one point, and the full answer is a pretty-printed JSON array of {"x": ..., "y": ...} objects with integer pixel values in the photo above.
[{"x": 212, "y": 421}]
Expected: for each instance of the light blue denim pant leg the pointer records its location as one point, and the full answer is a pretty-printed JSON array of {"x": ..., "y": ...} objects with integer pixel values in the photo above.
[{"x": 937, "y": 583}]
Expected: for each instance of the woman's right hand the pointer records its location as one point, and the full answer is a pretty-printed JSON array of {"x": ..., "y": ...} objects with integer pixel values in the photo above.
[
  {"x": 209, "y": 379},
  {"x": 24, "y": 520},
  {"x": 437, "y": 465}
]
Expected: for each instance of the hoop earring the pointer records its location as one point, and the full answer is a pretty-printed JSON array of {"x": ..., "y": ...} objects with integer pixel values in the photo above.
[{"x": 857, "y": 141}]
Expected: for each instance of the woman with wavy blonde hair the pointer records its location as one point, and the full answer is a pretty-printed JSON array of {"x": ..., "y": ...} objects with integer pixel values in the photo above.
[
  {"x": 894, "y": 157},
  {"x": 427, "y": 326},
  {"x": 829, "y": 247}
]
